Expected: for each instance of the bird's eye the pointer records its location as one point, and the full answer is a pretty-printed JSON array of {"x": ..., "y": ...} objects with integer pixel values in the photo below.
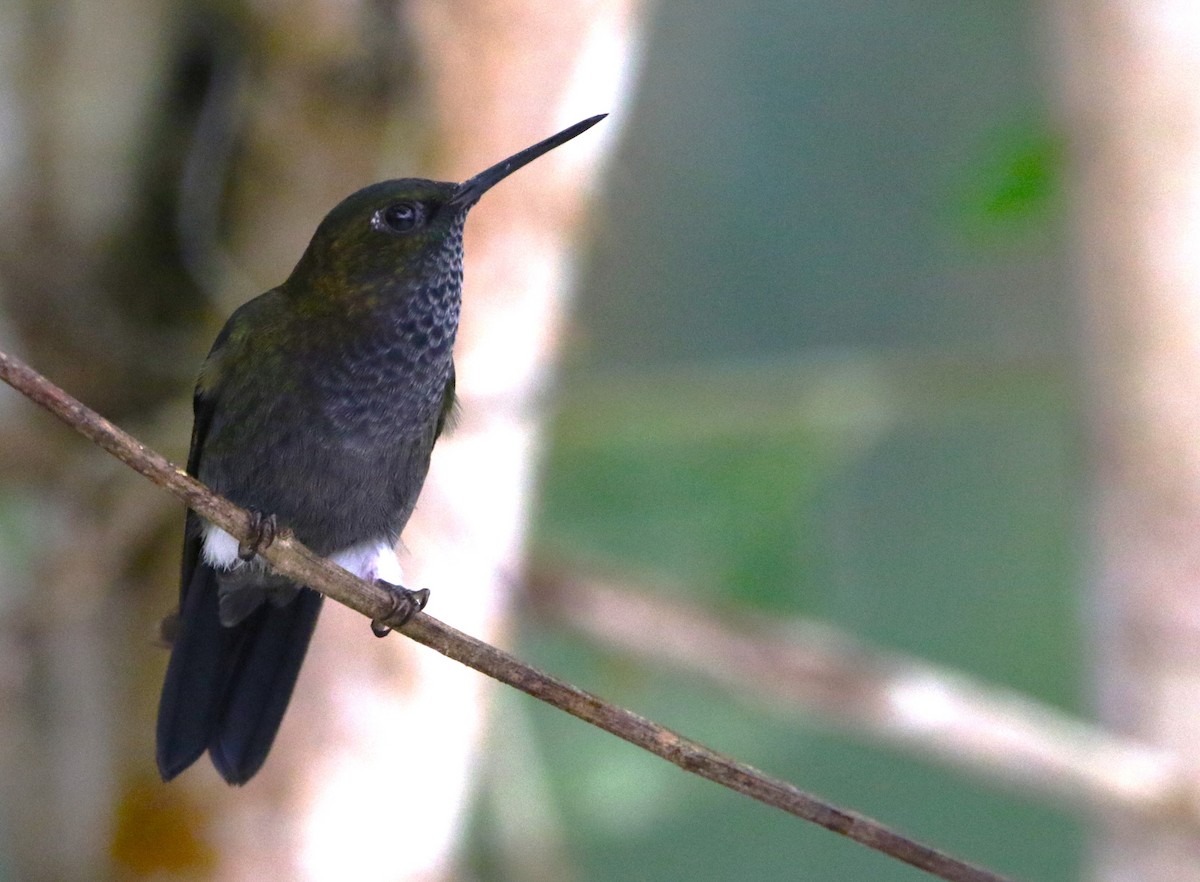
[{"x": 399, "y": 217}]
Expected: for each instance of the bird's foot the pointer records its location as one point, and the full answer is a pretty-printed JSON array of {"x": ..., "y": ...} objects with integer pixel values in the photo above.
[
  {"x": 405, "y": 604},
  {"x": 262, "y": 534}
]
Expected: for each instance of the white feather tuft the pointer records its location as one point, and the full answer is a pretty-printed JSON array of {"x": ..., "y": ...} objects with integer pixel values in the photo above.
[
  {"x": 375, "y": 559},
  {"x": 220, "y": 549}
]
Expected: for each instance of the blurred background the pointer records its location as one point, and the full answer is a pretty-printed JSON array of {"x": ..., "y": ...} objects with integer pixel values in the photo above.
[{"x": 862, "y": 450}]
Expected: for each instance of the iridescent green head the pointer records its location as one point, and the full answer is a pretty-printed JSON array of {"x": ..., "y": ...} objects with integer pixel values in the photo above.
[{"x": 402, "y": 230}]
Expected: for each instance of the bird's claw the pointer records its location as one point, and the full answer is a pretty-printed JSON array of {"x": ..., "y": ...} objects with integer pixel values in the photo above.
[
  {"x": 262, "y": 534},
  {"x": 405, "y": 604}
]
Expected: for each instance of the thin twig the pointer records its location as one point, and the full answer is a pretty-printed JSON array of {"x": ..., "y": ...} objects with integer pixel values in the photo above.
[
  {"x": 294, "y": 560},
  {"x": 800, "y": 667}
]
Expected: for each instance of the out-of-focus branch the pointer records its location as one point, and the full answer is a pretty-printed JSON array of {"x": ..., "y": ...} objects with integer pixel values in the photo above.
[
  {"x": 1128, "y": 102},
  {"x": 803, "y": 667},
  {"x": 294, "y": 560}
]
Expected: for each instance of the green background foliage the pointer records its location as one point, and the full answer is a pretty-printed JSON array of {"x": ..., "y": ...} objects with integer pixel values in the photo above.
[{"x": 823, "y": 367}]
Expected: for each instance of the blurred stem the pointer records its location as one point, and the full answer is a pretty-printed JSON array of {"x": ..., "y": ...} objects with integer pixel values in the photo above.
[
  {"x": 1130, "y": 94},
  {"x": 800, "y": 668}
]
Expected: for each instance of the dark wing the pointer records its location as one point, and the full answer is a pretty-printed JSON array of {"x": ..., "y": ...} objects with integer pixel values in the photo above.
[
  {"x": 226, "y": 688},
  {"x": 203, "y": 408},
  {"x": 190, "y": 694},
  {"x": 204, "y": 405}
]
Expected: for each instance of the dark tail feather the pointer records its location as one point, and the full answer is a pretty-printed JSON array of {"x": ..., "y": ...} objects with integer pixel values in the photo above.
[
  {"x": 261, "y": 685},
  {"x": 226, "y": 689},
  {"x": 190, "y": 705}
]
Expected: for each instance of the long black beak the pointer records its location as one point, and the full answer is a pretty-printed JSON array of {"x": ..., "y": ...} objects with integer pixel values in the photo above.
[{"x": 470, "y": 190}]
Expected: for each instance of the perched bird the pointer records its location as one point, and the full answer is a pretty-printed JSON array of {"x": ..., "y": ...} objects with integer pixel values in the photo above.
[{"x": 318, "y": 406}]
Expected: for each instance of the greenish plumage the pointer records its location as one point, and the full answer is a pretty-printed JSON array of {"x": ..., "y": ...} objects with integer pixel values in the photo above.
[{"x": 320, "y": 404}]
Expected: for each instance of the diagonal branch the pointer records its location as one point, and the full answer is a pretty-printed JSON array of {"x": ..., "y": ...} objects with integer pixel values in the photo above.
[
  {"x": 294, "y": 560},
  {"x": 804, "y": 667}
]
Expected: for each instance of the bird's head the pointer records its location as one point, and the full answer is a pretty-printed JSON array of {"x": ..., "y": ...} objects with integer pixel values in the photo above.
[{"x": 405, "y": 232}]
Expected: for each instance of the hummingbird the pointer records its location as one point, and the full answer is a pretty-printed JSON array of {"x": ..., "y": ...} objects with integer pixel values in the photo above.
[{"x": 319, "y": 404}]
